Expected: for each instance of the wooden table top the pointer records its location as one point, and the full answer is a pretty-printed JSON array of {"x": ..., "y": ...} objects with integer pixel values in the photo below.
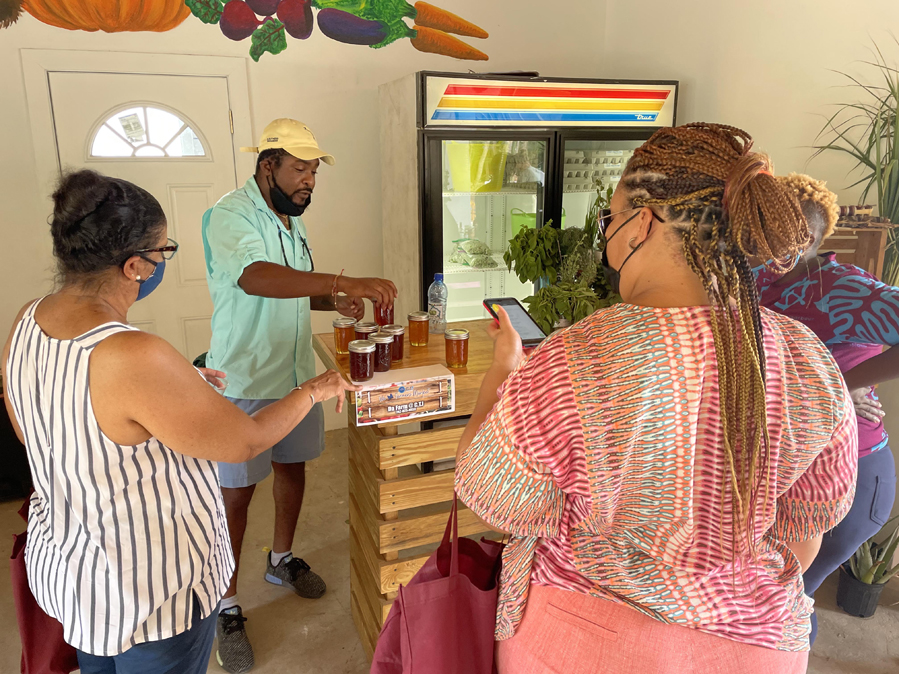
[{"x": 467, "y": 379}]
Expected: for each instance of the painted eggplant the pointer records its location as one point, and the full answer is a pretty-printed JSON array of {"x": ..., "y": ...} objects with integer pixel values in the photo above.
[{"x": 345, "y": 27}]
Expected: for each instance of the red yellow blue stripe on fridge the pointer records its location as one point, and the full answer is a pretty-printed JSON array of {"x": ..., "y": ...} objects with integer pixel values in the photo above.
[{"x": 500, "y": 103}]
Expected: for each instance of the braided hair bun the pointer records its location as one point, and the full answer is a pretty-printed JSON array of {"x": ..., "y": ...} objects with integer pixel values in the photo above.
[
  {"x": 98, "y": 222},
  {"x": 707, "y": 173}
]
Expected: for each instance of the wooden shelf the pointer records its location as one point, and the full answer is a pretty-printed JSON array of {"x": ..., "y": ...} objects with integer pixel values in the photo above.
[{"x": 862, "y": 246}]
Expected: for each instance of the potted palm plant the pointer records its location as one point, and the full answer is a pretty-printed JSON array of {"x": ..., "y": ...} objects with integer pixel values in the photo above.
[
  {"x": 863, "y": 577},
  {"x": 867, "y": 130}
]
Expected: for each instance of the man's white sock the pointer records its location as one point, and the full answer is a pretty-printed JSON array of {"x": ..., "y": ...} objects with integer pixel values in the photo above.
[
  {"x": 278, "y": 556},
  {"x": 228, "y": 603}
]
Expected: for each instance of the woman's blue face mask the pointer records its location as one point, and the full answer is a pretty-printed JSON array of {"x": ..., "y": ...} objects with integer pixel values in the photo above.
[{"x": 152, "y": 282}]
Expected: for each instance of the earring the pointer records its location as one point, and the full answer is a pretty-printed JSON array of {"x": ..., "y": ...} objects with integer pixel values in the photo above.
[
  {"x": 138, "y": 278},
  {"x": 630, "y": 242}
]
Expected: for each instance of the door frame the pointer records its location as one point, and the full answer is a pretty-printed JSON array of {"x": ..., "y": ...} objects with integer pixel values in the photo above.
[{"x": 37, "y": 64}]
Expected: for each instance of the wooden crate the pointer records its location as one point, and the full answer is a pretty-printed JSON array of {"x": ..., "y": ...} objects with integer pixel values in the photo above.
[
  {"x": 863, "y": 248},
  {"x": 398, "y": 514}
]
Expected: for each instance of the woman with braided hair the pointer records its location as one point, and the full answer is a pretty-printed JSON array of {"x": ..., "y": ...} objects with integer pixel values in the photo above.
[
  {"x": 855, "y": 315},
  {"x": 667, "y": 466}
]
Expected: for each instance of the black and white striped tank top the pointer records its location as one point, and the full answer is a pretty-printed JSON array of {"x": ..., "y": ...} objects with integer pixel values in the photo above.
[{"x": 119, "y": 537}]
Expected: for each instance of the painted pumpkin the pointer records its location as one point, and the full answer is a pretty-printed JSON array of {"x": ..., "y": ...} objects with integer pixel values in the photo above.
[{"x": 110, "y": 16}]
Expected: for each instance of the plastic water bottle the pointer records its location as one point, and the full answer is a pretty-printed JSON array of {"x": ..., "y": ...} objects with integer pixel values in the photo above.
[{"x": 437, "y": 295}]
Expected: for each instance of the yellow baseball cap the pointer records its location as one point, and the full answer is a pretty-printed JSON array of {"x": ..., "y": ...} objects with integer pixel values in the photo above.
[{"x": 293, "y": 137}]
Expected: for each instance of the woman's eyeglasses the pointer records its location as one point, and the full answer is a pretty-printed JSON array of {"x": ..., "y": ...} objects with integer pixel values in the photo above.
[
  {"x": 168, "y": 252},
  {"x": 605, "y": 217}
]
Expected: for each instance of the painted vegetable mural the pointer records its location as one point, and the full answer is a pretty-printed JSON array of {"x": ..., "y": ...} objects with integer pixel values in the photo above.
[
  {"x": 372, "y": 23},
  {"x": 110, "y": 16},
  {"x": 267, "y": 23}
]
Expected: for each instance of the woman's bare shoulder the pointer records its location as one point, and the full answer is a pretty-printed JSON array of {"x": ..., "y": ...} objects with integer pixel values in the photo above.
[{"x": 134, "y": 351}]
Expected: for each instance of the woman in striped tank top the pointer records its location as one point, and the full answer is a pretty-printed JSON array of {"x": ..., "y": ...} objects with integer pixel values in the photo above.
[
  {"x": 668, "y": 465},
  {"x": 127, "y": 543}
]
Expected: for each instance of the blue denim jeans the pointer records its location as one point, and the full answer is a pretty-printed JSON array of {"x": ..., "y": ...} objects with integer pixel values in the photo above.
[
  {"x": 875, "y": 492},
  {"x": 185, "y": 653}
]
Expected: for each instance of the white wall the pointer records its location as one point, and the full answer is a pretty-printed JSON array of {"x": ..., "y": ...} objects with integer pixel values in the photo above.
[
  {"x": 331, "y": 86},
  {"x": 765, "y": 67}
]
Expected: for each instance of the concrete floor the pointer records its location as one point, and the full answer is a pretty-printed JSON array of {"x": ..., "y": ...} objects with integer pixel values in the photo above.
[{"x": 291, "y": 634}]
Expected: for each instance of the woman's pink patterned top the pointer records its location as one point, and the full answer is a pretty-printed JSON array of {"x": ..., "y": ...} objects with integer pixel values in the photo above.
[{"x": 603, "y": 458}]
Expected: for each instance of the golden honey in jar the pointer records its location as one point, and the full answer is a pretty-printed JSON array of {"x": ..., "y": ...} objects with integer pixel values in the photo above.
[
  {"x": 362, "y": 360},
  {"x": 456, "y": 347},
  {"x": 418, "y": 328},
  {"x": 383, "y": 351},
  {"x": 344, "y": 333},
  {"x": 384, "y": 314},
  {"x": 399, "y": 339},
  {"x": 363, "y": 330}
]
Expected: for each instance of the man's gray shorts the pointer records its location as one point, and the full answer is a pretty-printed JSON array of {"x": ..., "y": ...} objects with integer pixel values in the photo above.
[{"x": 303, "y": 443}]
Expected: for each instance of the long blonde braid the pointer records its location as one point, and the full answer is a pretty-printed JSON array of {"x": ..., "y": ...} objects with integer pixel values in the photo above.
[{"x": 731, "y": 209}]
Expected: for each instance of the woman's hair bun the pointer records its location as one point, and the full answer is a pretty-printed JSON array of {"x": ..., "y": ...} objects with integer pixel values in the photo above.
[
  {"x": 77, "y": 195},
  {"x": 98, "y": 222}
]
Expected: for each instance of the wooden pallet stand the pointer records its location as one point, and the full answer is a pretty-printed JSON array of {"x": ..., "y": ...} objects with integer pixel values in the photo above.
[{"x": 398, "y": 513}]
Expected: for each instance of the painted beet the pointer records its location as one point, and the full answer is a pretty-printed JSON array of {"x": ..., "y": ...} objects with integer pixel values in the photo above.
[
  {"x": 296, "y": 15},
  {"x": 263, "y": 7},
  {"x": 238, "y": 21}
]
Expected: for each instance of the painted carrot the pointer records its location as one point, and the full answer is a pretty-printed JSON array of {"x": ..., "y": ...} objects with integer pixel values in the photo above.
[
  {"x": 429, "y": 16},
  {"x": 437, "y": 42}
]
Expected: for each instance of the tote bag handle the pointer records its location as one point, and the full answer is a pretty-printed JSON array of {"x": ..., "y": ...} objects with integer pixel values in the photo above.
[{"x": 451, "y": 535}]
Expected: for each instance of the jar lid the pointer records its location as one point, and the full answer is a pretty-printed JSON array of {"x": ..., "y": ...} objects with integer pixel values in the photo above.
[
  {"x": 344, "y": 322},
  {"x": 381, "y": 338},
  {"x": 366, "y": 327},
  {"x": 394, "y": 329},
  {"x": 456, "y": 333},
  {"x": 419, "y": 316},
  {"x": 362, "y": 346}
]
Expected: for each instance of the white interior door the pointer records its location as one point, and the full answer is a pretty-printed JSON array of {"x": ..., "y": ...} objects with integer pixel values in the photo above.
[{"x": 171, "y": 135}]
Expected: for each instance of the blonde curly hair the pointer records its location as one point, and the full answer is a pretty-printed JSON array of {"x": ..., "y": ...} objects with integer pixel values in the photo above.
[{"x": 814, "y": 198}]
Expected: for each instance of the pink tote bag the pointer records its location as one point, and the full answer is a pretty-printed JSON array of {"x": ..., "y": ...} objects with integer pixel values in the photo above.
[{"x": 443, "y": 621}]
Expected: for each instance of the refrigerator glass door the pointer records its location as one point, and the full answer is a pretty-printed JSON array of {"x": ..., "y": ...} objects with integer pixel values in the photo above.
[
  {"x": 491, "y": 189},
  {"x": 589, "y": 168}
]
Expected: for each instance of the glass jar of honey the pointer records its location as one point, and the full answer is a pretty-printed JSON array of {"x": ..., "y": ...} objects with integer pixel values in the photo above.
[
  {"x": 456, "y": 347},
  {"x": 344, "y": 333},
  {"x": 383, "y": 351},
  {"x": 399, "y": 339},
  {"x": 383, "y": 314},
  {"x": 418, "y": 328},
  {"x": 363, "y": 330},
  {"x": 362, "y": 360}
]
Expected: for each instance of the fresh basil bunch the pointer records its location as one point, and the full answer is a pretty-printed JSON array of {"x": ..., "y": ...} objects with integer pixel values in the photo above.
[{"x": 563, "y": 263}]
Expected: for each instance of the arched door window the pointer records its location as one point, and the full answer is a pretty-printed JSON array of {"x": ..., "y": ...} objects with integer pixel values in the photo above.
[{"x": 145, "y": 131}]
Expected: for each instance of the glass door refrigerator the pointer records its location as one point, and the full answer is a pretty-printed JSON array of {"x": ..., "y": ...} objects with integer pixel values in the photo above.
[{"x": 469, "y": 160}]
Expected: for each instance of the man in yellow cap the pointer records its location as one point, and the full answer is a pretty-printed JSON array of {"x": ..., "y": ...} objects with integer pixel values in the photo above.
[{"x": 263, "y": 285}]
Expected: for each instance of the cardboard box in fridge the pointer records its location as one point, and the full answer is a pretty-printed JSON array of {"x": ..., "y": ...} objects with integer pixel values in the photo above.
[{"x": 405, "y": 395}]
